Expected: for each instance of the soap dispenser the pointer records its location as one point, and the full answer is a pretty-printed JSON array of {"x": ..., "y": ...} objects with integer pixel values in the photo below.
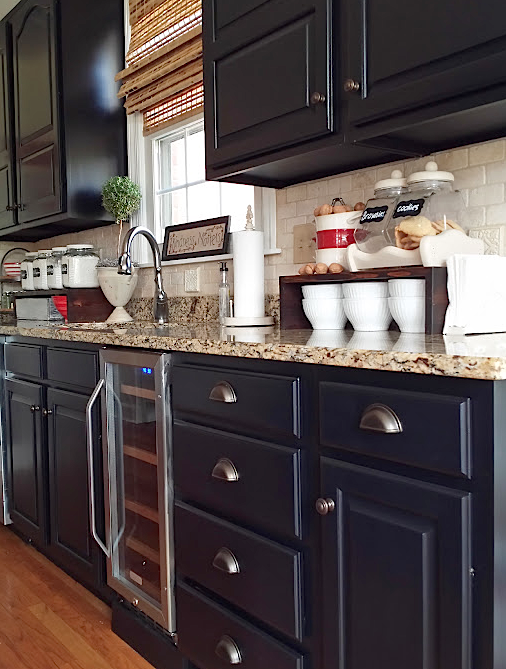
[{"x": 223, "y": 294}]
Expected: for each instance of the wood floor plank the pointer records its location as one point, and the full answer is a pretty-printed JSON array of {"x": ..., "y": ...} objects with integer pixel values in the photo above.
[{"x": 47, "y": 616}]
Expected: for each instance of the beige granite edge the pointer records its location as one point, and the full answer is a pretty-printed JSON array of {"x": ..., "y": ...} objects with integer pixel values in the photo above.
[{"x": 434, "y": 364}]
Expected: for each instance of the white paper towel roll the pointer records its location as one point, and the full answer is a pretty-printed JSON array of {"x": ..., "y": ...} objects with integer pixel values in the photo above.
[{"x": 248, "y": 253}]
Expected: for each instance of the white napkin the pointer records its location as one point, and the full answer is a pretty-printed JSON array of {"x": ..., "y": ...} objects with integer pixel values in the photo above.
[{"x": 477, "y": 295}]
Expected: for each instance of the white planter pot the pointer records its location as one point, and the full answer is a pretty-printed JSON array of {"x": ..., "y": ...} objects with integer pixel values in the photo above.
[{"x": 118, "y": 289}]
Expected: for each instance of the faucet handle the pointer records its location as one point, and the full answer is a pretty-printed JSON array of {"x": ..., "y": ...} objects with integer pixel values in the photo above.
[{"x": 125, "y": 264}]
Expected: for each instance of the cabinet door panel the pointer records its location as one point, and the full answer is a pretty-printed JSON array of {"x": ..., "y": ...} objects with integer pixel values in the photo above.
[
  {"x": 396, "y": 579},
  {"x": 36, "y": 89},
  {"x": 7, "y": 218},
  {"x": 259, "y": 77},
  {"x": 411, "y": 56},
  {"x": 26, "y": 458},
  {"x": 226, "y": 12},
  {"x": 71, "y": 543}
]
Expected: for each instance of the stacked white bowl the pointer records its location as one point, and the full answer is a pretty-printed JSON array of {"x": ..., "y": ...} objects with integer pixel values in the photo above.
[
  {"x": 323, "y": 305},
  {"x": 366, "y": 305},
  {"x": 407, "y": 303}
]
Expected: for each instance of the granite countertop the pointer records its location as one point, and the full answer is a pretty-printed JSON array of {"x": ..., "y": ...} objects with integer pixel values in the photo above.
[{"x": 473, "y": 357}]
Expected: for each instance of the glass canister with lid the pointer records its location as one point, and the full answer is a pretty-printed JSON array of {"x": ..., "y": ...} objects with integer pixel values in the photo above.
[
  {"x": 27, "y": 270},
  {"x": 79, "y": 266},
  {"x": 40, "y": 270},
  {"x": 370, "y": 233},
  {"x": 430, "y": 206},
  {"x": 54, "y": 267}
]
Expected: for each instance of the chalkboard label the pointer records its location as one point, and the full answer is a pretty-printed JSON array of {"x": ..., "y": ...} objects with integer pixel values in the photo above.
[
  {"x": 374, "y": 214},
  {"x": 409, "y": 208},
  {"x": 64, "y": 269},
  {"x": 36, "y": 272},
  {"x": 50, "y": 270},
  {"x": 24, "y": 274}
]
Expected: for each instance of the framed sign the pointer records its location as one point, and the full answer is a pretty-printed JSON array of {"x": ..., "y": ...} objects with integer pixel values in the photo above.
[{"x": 196, "y": 240}]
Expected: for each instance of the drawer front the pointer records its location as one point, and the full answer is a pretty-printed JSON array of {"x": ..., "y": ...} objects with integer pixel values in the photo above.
[
  {"x": 264, "y": 485},
  {"x": 24, "y": 360},
  {"x": 258, "y": 575},
  {"x": 257, "y": 404},
  {"x": 78, "y": 368},
  {"x": 434, "y": 431},
  {"x": 213, "y": 638}
]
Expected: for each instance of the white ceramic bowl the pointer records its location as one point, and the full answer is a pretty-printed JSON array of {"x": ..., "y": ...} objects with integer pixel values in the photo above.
[
  {"x": 406, "y": 287},
  {"x": 410, "y": 342},
  {"x": 325, "y": 314},
  {"x": 408, "y": 313},
  {"x": 371, "y": 341},
  {"x": 329, "y": 338},
  {"x": 319, "y": 291},
  {"x": 368, "y": 315},
  {"x": 356, "y": 290}
]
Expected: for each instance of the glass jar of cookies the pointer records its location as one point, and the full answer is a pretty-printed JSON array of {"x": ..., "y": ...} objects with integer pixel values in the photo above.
[{"x": 430, "y": 207}]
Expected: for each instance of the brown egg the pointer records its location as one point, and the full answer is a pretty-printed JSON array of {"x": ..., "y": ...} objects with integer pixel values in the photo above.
[
  {"x": 325, "y": 209},
  {"x": 302, "y": 270},
  {"x": 316, "y": 212},
  {"x": 349, "y": 207},
  {"x": 339, "y": 208},
  {"x": 309, "y": 269},
  {"x": 321, "y": 268},
  {"x": 336, "y": 268},
  {"x": 360, "y": 206}
]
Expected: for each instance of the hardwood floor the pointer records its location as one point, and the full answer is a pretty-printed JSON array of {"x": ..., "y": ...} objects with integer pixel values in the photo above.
[{"x": 48, "y": 621}]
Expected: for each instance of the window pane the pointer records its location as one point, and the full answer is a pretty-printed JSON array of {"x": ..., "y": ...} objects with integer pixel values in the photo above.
[
  {"x": 172, "y": 163},
  {"x": 203, "y": 201},
  {"x": 173, "y": 208},
  {"x": 196, "y": 155},
  {"x": 235, "y": 199}
]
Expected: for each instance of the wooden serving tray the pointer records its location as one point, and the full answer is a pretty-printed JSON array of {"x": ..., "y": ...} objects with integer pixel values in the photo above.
[{"x": 436, "y": 296}]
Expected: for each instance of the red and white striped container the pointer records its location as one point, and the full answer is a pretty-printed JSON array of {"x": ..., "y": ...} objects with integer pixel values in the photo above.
[{"x": 334, "y": 233}]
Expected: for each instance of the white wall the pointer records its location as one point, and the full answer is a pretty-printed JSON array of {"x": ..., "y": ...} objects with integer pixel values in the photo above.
[{"x": 6, "y": 6}]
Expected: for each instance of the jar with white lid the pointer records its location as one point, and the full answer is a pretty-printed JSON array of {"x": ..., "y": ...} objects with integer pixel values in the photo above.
[
  {"x": 430, "y": 206},
  {"x": 370, "y": 233},
  {"x": 27, "y": 270},
  {"x": 40, "y": 270},
  {"x": 80, "y": 261},
  {"x": 54, "y": 267}
]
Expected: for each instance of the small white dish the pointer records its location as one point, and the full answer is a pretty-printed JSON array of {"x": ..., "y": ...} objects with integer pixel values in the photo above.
[
  {"x": 368, "y": 315},
  {"x": 408, "y": 313},
  {"x": 325, "y": 314},
  {"x": 320, "y": 291},
  {"x": 365, "y": 289},
  {"x": 406, "y": 287}
]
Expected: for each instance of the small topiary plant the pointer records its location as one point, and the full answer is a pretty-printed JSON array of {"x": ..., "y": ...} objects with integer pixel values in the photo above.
[{"x": 121, "y": 197}]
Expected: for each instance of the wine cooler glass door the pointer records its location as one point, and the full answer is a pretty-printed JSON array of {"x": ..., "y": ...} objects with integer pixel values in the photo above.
[{"x": 140, "y": 527}]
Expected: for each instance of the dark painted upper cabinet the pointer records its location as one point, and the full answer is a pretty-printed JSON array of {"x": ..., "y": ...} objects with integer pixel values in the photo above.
[
  {"x": 66, "y": 123},
  {"x": 7, "y": 216},
  {"x": 421, "y": 63},
  {"x": 301, "y": 90},
  {"x": 36, "y": 112},
  {"x": 267, "y": 76}
]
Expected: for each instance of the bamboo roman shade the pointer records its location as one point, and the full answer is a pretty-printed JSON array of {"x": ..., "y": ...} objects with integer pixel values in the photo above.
[{"x": 163, "y": 77}]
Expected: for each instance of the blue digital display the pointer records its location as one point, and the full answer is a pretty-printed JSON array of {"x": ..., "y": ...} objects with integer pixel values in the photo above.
[{"x": 147, "y": 370}]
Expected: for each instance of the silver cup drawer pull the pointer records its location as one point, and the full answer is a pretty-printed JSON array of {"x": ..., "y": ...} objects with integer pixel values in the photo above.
[
  {"x": 380, "y": 418},
  {"x": 225, "y": 561},
  {"x": 225, "y": 470},
  {"x": 223, "y": 392},
  {"x": 228, "y": 651}
]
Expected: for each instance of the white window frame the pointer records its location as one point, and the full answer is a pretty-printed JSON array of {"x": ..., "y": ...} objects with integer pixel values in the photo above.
[{"x": 142, "y": 163}]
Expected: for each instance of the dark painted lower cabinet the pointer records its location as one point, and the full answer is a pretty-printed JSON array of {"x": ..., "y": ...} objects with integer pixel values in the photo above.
[
  {"x": 70, "y": 540},
  {"x": 26, "y": 456},
  {"x": 396, "y": 572}
]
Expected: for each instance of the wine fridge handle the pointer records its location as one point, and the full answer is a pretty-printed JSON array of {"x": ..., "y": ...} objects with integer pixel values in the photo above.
[{"x": 91, "y": 465}]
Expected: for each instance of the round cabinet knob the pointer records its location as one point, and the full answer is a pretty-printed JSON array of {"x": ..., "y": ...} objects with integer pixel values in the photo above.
[
  {"x": 325, "y": 506},
  {"x": 47, "y": 412},
  {"x": 351, "y": 85},
  {"x": 135, "y": 601},
  {"x": 34, "y": 408},
  {"x": 317, "y": 99}
]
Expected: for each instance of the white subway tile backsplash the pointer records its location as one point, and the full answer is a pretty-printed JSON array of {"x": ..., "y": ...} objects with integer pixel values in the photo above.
[
  {"x": 496, "y": 172},
  {"x": 470, "y": 177},
  {"x": 286, "y": 210},
  {"x": 496, "y": 214},
  {"x": 296, "y": 193},
  {"x": 485, "y": 195},
  {"x": 318, "y": 190},
  {"x": 307, "y": 207},
  {"x": 338, "y": 185},
  {"x": 453, "y": 160},
  {"x": 489, "y": 152}
]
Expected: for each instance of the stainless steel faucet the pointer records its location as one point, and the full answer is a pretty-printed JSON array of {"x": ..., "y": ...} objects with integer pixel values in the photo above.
[{"x": 161, "y": 301}]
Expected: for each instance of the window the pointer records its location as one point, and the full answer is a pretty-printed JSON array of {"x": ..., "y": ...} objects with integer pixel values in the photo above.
[{"x": 181, "y": 191}]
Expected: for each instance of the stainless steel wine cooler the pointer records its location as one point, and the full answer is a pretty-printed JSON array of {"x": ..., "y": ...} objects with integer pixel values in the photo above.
[{"x": 138, "y": 480}]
